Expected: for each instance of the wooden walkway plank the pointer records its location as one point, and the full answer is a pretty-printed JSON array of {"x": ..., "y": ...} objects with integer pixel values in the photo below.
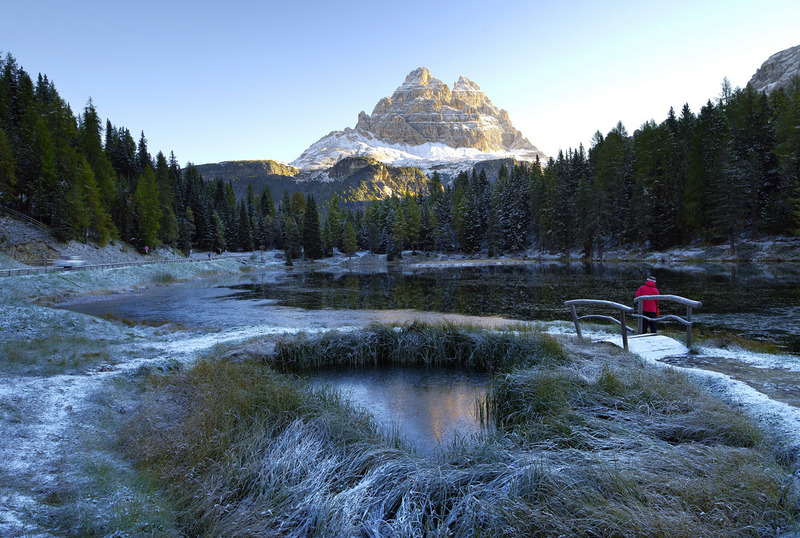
[{"x": 650, "y": 346}]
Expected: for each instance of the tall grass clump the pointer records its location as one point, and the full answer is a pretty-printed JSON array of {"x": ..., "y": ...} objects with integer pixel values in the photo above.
[
  {"x": 586, "y": 445},
  {"x": 562, "y": 405},
  {"x": 418, "y": 345},
  {"x": 164, "y": 277}
]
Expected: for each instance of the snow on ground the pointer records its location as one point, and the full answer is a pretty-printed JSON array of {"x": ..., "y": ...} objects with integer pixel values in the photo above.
[{"x": 38, "y": 413}]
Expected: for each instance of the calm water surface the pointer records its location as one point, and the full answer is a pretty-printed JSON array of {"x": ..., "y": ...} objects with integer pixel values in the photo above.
[
  {"x": 755, "y": 301},
  {"x": 431, "y": 407}
]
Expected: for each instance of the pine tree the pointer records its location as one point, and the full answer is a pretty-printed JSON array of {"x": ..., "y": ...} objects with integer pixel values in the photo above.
[
  {"x": 611, "y": 159},
  {"x": 143, "y": 159},
  {"x": 217, "y": 229},
  {"x": 473, "y": 229},
  {"x": 413, "y": 220},
  {"x": 327, "y": 242},
  {"x": 186, "y": 231},
  {"x": 91, "y": 146},
  {"x": 334, "y": 221},
  {"x": 8, "y": 173},
  {"x": 312, "y": 236},
  {"x": 292, "y": 242},
  {"x": 168, "y": 229},
  {"x": 147, "y": 208},
  {"x": 349, "y": 241},
  {"x": 297, "y": 206},
  {"x": 786, "y": 106},
  {"x": 245, "y": 235}
]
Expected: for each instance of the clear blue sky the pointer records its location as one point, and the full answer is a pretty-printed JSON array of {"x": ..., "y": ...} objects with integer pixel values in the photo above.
[{"x": 215, "y": 81}]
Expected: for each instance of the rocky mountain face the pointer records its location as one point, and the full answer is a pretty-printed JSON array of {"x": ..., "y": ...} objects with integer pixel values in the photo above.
[
  {"x": 424, "y": 110},
  {"x": 424, "y": 127},
  {"x": 777, "y": 71},
  {"x": 426, "y": 124}
]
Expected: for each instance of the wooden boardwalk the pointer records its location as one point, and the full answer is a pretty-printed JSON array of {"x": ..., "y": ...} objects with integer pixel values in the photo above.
[{"x": 650, "y": 346}]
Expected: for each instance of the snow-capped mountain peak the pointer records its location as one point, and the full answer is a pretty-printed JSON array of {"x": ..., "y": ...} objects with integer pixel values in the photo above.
[{"x": 426, "y": 124}]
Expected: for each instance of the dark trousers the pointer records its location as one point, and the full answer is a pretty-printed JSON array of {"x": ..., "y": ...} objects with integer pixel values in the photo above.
[{"x": 649, "y": 324}]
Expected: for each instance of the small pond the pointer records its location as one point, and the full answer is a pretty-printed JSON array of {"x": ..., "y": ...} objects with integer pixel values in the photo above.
[{"x": 430, "y": 407}]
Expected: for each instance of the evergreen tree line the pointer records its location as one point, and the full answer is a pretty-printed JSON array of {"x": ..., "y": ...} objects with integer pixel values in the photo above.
[
  {"x": 731, "y": 170},
  {"x": 90, "y": 183}
]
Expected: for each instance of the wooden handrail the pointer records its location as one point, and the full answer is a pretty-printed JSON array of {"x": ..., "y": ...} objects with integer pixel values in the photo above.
[
  {"x": 23, "y": 216},
  {"x": 689, "y": 303},
  {"x": 621, "y": 308},
  {"x": 624, "y": 309}
]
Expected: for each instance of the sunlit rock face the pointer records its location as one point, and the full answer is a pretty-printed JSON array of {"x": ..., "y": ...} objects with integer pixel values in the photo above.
[
  {"x": 777, "y": 71},
  {"x": 426, "y": 122}
]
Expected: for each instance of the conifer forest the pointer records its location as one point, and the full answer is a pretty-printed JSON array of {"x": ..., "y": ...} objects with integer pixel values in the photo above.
[{"x": 728, "y": 171}]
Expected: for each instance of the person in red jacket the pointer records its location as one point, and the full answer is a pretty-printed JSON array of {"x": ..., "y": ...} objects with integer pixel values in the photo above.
[{"x": 649, "y": 308}]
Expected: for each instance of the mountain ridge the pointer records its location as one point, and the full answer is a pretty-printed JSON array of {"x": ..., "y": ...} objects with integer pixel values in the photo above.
[{"x": 427, "y": 125}]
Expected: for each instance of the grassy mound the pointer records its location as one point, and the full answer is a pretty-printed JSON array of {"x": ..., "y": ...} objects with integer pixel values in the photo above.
[{"x": 586, "y": 444}]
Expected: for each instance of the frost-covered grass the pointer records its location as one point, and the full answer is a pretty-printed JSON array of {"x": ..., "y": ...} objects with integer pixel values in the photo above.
[
  {"x": 59, "y": 354},
  {"x": 98, "y": 492},
  {"x": 591, "y": 444},
  {"x": 54, "y": 287},
  {"x": 443, "y": 345}
]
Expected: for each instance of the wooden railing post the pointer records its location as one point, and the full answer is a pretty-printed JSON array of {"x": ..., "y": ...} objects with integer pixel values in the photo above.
[
  {"x": 640, "y": 325},
  {"x": 576, "y": 321},
  {"x": 689, "y": 326},
  {"x": 624, "y": 328}
]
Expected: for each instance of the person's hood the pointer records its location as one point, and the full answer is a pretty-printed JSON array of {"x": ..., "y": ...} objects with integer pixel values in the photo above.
[{"x": 650, "y": 283}]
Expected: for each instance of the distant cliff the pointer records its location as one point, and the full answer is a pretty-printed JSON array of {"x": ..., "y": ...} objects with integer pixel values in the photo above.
[
  {"x": 353, "y": 179},
  {"x": 777, "y": 71}
]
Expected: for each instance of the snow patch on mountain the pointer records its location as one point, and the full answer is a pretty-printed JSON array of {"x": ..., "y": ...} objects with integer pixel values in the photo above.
[
  {"x": 426, "y": 125},
  {"x": 429, "y": 157}
]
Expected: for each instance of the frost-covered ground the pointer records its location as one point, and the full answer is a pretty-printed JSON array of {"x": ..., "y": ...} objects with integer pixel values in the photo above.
[
  {"x": 42, "y": 411},
  {"x": 44, "y": 408}
]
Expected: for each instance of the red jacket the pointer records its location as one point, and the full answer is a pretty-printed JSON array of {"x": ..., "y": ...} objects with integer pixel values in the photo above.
[{"x": 649, "y": 288}]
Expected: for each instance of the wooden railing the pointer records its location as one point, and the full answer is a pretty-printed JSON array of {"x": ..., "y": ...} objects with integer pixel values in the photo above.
[
  {"x": 22, "y": 216},
  {"x": 621, "y": 309},
  {"x": 639, "y": 301}
]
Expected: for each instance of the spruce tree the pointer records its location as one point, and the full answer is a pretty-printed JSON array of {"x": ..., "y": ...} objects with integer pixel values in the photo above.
[
  {"x": 147, "y": 208},
  {"x": 349, "y": 241},
  {"x": 312, "y": 236},
  {"x": 8, "y": 173}
]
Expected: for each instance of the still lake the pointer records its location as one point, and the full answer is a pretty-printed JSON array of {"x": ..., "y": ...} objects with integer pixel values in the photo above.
[{"x": 755, "y": 301}]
